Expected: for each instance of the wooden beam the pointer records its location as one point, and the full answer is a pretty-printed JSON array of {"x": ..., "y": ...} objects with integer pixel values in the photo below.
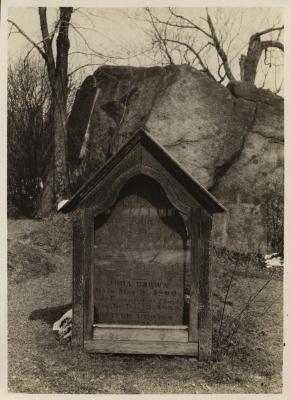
[
  {"x": 141, "y": 347},
  {"x": 78, "y": 278},
  {"x": 88, "y": 273},
  {"x": 193, "y": 227},
  {"x": 141, "y": 333},
  {"x": 205, "y": 289}
]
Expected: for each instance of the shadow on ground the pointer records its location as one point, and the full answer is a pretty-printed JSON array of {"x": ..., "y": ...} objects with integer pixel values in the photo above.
[{"x": 50, "y": 314}]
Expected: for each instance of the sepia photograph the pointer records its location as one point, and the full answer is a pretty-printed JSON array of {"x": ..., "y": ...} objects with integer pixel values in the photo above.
[{"x": 145, "y": 199}]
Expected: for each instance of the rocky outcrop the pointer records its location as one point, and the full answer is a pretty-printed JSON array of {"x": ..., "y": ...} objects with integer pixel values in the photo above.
[
  {"x": 253, "y": 186},
  {"x": 229, "y": 139}
]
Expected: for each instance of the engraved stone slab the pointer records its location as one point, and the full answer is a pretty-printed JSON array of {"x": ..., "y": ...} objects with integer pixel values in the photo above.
[{"x": 139, "y": 262}]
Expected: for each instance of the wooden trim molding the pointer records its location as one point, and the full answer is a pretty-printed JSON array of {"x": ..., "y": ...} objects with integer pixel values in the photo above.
[{"x": 141, "y": 347}]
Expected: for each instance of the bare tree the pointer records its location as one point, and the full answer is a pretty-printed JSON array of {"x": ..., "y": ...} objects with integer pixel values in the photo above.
[
  {"x": 256, "y": 46},
  {"x": 201, "y": 43},
  {"x": 57, "y": 183},
  {"x": 29, "y": 134},
  {"x": 54, "y": 49}
]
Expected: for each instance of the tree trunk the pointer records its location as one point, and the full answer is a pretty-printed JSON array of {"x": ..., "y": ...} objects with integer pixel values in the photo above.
[
  {"x": 47, "y": 198},
  {"x": 249, "y": 63},
  {"x": 57, "y": 69},
  {"x": 61, "y": 182},
  {"x": 56, "y": 184}
]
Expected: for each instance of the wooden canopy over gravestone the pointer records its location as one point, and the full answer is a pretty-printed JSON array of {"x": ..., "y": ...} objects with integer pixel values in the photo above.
[{"x": 141, "y": 266}]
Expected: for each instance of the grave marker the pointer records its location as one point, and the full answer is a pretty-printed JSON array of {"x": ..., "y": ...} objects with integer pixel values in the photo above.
[{"x": 141, "y": 266}]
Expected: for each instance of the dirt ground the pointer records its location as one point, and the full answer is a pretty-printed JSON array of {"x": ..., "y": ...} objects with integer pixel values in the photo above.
[{"x": 39, "y": 274}]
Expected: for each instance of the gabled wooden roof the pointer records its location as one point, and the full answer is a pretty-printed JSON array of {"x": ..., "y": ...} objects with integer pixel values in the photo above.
[{"x": 142, "y": 137}]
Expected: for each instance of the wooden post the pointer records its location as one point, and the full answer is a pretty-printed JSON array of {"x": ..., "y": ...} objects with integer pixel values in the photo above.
[
  {"x": 205, "y": 289},
  {"x": 82, "y": 252},
  {"x": 194, "y": 275},
  {"x": 88, "y": 275}
]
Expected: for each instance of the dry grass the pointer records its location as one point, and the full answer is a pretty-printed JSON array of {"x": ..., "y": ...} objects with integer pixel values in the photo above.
[{"x": 40, "y": 291}]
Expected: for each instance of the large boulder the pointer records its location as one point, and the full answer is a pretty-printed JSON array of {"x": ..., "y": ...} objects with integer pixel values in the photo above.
[{"x": 229, "y": 139}]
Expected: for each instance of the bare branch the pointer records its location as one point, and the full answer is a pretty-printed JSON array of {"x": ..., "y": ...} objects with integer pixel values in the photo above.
[
  {"x": 222, "y": 77},
  {"x": 219, "y": 48},
  {"x": 94, "y": 52},
  {"x": 35, "y": 45},
  {"x": 203, "y": 65},
  {"x": 191, "y": 23},
  {"x": 272, "y": 43},
  {"x": 277, "y": 88},
  {"x": 160, "y": 38},
  {"x": 10, "y": 31},
  {"x": 47, "y": 44},
  {"x": 279, "y": 28},
  {"x": 265, "y": 71},
  {"x": 248, "y": 304},
  {"x": 83, "y": 66},
  {"x": 174, "y": 25},
  {"x": 57, "y": 23},
  {"x": 226, "y": 296}
]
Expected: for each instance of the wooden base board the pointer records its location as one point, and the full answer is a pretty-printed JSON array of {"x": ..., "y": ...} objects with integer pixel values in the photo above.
[
  {"x": 141, "y": 347},
  {"x": 176, "y": 333}
]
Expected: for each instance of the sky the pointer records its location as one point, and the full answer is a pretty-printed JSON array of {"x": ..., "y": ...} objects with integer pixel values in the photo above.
[{"x": 120, "y": 32}]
